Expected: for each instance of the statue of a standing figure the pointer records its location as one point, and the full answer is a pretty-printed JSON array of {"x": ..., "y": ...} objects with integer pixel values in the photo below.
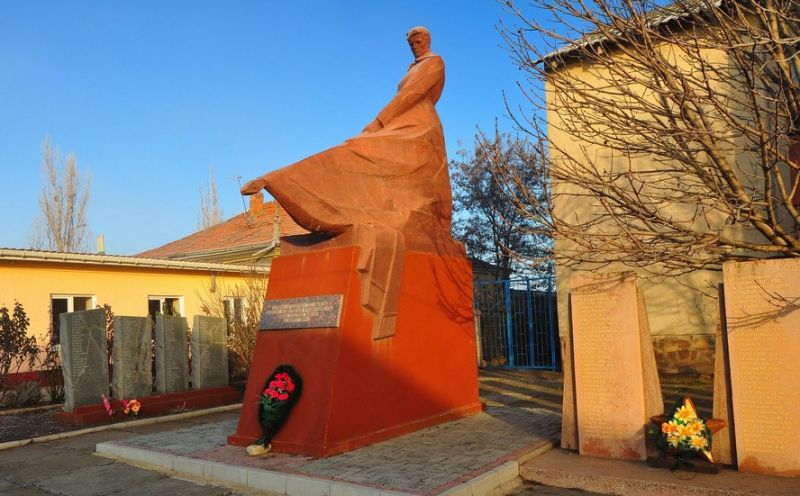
[{"x": 390, "y": 184}]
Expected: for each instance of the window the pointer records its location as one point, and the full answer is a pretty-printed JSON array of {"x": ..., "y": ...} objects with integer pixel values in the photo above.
[
  {"x": 235, "y": 307},
  {"x": 60, "y": 303},
  {"x": 165, "y": 305}
]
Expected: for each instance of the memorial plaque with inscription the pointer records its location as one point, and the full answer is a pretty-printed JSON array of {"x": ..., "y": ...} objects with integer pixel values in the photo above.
[
  {"x": 762, "y": 310},
  {"x": 302, "y": 313},
  {"x": 172, "y": 362},
  {"x": 84, "y": 357},
  {"x": 609, "y": 387},
  {"x": 132, "y": 353},
  {"x": 209, "y": 352}
]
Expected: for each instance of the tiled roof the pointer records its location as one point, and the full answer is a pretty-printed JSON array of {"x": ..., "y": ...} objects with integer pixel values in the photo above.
[
  {"x": 675, "y": 11},
  {"x": 252, "y": 229}
]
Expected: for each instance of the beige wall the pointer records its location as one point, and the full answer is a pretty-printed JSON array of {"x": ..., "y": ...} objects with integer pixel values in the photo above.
[{"x": 680, "y": 306}]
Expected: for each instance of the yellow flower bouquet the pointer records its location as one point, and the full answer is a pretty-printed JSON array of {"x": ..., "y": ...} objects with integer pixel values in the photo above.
[{"x": 685, "y": 434}]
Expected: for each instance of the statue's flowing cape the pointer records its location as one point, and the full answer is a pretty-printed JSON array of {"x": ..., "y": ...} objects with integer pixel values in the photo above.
[{"x": 393, "y": 177}]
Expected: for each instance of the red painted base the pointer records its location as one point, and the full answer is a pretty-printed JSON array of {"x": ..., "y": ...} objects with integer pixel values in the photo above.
[
  {"x": 356, "y": 390},
  {"x": 153, "y": 405}
]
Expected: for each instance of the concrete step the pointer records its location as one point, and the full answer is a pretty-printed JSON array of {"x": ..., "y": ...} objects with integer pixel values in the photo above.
[{"x": 566, "y": 469}]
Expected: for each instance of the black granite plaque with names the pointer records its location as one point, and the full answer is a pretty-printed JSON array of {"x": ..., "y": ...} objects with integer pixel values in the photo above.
[{"x": 302, "y": 313}]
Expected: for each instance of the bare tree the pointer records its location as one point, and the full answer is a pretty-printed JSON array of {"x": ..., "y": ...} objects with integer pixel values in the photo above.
[
  {"x": 486, "y": 219},
  {"x": 243, "y": 315},
  {"x": 62, "y": 225},
  {"x": 210, "y": 213},
  {"x": 670, "y": 128}
]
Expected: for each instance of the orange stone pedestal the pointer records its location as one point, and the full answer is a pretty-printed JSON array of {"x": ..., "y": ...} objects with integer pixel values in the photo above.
[{"x": 357, "y": 390}]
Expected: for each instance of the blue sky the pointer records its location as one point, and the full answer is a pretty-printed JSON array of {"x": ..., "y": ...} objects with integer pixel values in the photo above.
[{"x": 150, "y": 94}]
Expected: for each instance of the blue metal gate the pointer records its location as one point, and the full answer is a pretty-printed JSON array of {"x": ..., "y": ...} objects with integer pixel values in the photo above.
[{"x": 516, "y": 323}]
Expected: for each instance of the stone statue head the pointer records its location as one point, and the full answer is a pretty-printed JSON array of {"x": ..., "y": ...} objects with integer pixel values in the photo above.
[{"x": 419, "y": 40}]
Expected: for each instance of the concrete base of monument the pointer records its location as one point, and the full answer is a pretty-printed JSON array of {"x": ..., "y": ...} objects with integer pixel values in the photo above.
[
  {"x": 153, "y": 405},
  {"x": 363, "y": 440},
  {"x": 358, "y": 390}
]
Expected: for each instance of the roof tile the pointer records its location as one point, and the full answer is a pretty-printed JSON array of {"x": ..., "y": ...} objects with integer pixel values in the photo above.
[{"x": 251, "y": 228}]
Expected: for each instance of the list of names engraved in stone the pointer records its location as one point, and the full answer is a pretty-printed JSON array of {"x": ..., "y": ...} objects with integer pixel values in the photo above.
[
  {"x": 763, "y": 328},
  {"x": 305, "y": 312},
  {"x": 607, "y": 364},
  {"x": 209, "y": 352},
  {"x": 171, "y": 355},
  {"x": 132, "y": 351},
  {"x": 85, "y": 359},
  {"x": 173, "y": 351},
  {"x": 598, "y": 388},
  {"x": 79, "y": 346}
]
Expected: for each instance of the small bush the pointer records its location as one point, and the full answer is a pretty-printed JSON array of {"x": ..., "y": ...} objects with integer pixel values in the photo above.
[
  {"x": 26, "y": 393},
  {"x": 16, "y": 347},
  {"x": 51, "y": 376}
]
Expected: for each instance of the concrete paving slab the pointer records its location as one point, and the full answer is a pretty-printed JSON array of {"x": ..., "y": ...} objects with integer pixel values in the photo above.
[
  {"x": 98, "y": 481},
  {"x": 532, "y": 489},
  {"x": 56, "y": 462},
  {"x": 213, "y": 417},
  {"x": 86, "y": 442},
  {"x": 21, "y": 490},
  {"x": 20, "y": 455},
  {"x": 171, "y": 486},
  {"x": 473, "y": 451},
  {"x": 566, "y": 469},
  {"x": 265, "y": 480}
]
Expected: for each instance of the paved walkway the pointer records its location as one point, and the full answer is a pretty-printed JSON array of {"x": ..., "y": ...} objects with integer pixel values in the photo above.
[
  {"x": 473, "y": 455},
  {"x": 560, "y": 468},
  {"x": 70, "y": 467},
  {"x": 483, "y": 454},
  {"x": 430, "y": 461}
]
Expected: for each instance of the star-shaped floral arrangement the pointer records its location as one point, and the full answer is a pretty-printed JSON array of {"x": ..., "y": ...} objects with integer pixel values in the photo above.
[{"x": 684, "y": 433}]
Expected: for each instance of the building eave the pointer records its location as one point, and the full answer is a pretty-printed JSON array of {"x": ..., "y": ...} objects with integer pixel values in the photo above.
[
  {"x": 233, "y": 250},
  {"x": 13, "y": 254}
]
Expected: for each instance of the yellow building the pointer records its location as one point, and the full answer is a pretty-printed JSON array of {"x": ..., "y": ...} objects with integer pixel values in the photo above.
[{"x": 48, "y": 283}]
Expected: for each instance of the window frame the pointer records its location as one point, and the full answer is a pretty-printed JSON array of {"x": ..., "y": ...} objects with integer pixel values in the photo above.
[
  {"x": 229, "y": 306},
  {"x": 163, "y": 298},
  {"x": 55, "y": 320}
]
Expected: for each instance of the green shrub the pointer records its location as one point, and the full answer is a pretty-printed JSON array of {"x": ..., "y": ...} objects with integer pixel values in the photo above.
[{"x": 16, "y": 347}]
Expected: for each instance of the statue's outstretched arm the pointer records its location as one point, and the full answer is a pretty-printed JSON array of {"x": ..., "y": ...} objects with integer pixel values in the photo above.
[{"x": 254, "y": 186}]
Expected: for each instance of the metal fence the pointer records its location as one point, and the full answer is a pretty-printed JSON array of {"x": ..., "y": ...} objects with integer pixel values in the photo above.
[{"x": 516, "y": 323}]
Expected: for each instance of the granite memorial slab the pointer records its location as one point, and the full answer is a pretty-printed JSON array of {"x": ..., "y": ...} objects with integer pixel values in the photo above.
[
  {"x": 172, "y": 362},
  {"x": 132, "y": 357},
  {"x": 762, "y": 314},
  {"x": 722, "y": 445},
  {"x": 209, "y": 352},
  {"x": 615, "y": 379},
  {"x": 84, "y": 357}
]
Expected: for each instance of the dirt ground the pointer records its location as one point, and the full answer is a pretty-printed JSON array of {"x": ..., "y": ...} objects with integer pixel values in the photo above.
[{"x": 32, "y": 423}]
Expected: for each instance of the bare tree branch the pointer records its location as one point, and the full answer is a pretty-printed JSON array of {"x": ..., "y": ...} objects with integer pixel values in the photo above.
[
  {"x": 669, "y": 129},
  {"x": 210, "y": 213},
  {"x": 64, "y": 198}
]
